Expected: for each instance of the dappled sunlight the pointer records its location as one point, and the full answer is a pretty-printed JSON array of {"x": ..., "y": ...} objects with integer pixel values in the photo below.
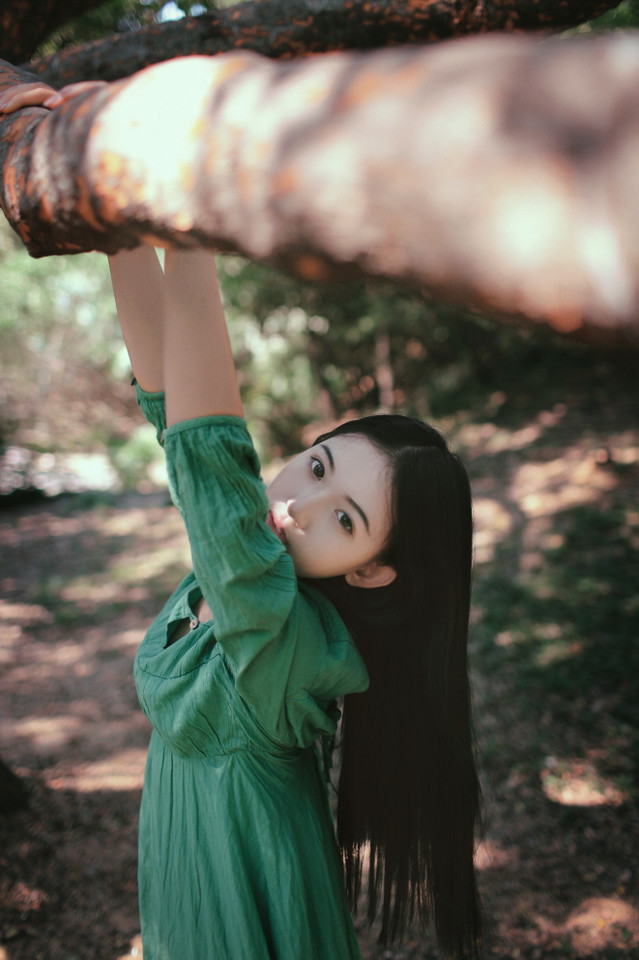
[
  {"x": 543, "y": 485},
  {"x": 122, "y": 523},
  {"x": 557, "y": 641},
  {"x": 93, "y": 562},
  {"x": 555, "y": 525},
  {"x": 63, "y": 657},
  {"x": 593, "y": 927},
  {"x": 577, "y": 782},
  {"x": 106, "y": 591},
  {"x": 25, "y": 898},
  {"x": 488, "y": 438},
  {"x": 135, "y": 950},
  {"x": 491, "y": 438},
  {"x": 45, "y": 733},
  {"x": 155, "y": 541},
  {"x": 63, "y": 739},
  {"x": 554, "y": 668},
  {"x": 68, "y": 693},
  {"x": 492, "y": 522},
  {"x": 490, "y": 855},
  {"x": 147, "y": 566},
  {"x": 574, "y": 479},
  {"x": 15, "y": 619},
  {"x": 122, "y": 770},
  {"x": 602, "y": 923},
  {"x": 551, "y": 480}
]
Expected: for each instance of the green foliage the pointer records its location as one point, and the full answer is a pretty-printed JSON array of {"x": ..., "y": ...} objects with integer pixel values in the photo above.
[
  {"x": 623, "y": 17},
  {"x": 118, "y": 16},
  {"x": 309, "y": 353},
  {"x": 136, "y": 456},
  {"x": 64, "y": 369},
  {"x": 57, "y": 322},
  {"x": 306, "y": 355}
]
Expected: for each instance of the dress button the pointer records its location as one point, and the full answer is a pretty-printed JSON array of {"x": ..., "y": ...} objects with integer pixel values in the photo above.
[{"x": 193, "y": 623}]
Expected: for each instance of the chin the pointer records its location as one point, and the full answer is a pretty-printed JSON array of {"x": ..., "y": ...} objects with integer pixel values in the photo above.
[{"x": 301, "y": 572}]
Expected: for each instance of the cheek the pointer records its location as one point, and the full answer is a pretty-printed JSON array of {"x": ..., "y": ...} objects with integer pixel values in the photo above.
[
  {"x": 284, "y": 486},
  {"x": 322, "y": 554}
]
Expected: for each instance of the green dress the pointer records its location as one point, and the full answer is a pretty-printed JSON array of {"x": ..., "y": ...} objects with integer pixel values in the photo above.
[{"x": 237, "y": 854}]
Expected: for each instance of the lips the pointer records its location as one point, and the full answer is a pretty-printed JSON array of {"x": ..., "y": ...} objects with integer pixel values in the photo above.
[{"x": 270, "y": 520}]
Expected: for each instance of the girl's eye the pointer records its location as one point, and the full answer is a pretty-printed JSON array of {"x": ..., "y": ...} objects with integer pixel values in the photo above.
[
  {"x": 317, "y": 468},
  {"x": 345, "y": 521}
]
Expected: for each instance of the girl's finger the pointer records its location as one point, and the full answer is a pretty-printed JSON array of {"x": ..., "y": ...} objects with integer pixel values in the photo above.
[
  {"x": 53, "y": 101},
  {"x": 42, "y": 95},
  {"x": 25, "y": 95},
  {"x": 82, "y": 86}
]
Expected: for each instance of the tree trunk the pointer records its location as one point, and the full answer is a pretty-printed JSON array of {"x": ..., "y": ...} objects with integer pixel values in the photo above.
[
  {"x": 284, "y": 29},
  {"x": 500, "y": 172}
]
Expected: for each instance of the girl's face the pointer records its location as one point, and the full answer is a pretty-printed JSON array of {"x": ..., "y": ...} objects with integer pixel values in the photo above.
[{"x": 330, "y": 506}]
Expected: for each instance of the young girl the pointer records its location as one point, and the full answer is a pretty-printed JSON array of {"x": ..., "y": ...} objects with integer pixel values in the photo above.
[{"x": 348, "y": 577}]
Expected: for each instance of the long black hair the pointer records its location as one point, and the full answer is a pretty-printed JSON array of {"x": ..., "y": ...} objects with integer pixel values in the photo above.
[{"x": 408, "y": 796}]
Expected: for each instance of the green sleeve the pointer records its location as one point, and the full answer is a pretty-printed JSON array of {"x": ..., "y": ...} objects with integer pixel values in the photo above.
[
  {"x": 153, "y": 407},
  {"x": 288, "y": 651}
]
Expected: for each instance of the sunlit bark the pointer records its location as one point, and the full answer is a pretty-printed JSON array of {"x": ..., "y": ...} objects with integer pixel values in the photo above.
[{"x": 498, "y": 171}]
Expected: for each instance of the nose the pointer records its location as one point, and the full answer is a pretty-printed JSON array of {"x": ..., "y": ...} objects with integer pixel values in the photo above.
[{"x": 302, "y": 509}]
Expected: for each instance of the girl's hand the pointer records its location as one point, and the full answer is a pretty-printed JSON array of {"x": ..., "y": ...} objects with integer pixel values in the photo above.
[{"x": 42, "y": 95}]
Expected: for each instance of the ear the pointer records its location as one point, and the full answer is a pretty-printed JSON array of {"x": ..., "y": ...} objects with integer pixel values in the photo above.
[{"x": 374, "y": 574}]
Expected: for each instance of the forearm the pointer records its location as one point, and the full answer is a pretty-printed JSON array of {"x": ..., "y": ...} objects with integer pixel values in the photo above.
[
  {"x": 138, "y": 286},
  {"x": 199, "y": 372}
]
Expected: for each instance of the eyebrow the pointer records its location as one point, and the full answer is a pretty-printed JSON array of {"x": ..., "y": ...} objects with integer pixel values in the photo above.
[
  {"x": 353, "y": 503},
  {"x": 329, "y": 455},
  {"x": 360, "y": 511}
]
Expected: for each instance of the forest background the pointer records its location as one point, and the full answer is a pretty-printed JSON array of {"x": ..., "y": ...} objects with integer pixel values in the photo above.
[{"x": 549, "y": 429}]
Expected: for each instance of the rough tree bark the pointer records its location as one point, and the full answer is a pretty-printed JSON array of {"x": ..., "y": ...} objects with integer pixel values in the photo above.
[
  {"x": 293, "y": 28},
  {"x": 498, "y": 171}
]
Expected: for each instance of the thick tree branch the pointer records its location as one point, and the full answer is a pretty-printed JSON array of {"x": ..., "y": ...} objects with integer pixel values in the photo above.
[
  {"x": 291, "y": 28},
  {"x": 498, "y": 171}
]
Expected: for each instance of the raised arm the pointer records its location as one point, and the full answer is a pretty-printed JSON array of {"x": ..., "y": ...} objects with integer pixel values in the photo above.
[
  {"x": 139, "y": 290},
  {"x": 173, "y": 324},
  {"x": 138, "y": 281},
  {"x": 199, "y": 372}
]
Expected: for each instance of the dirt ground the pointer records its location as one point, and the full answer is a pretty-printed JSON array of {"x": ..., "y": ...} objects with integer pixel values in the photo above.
[{"x": 80, "y": 578}]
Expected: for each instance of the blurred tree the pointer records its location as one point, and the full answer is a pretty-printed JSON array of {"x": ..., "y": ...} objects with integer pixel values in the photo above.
[
  {"x": 544, "y": 128},
  {"x": 59, "y": 339},
  {"x": 387, "y": 341},
  {"x": 530, "y": 246}
]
